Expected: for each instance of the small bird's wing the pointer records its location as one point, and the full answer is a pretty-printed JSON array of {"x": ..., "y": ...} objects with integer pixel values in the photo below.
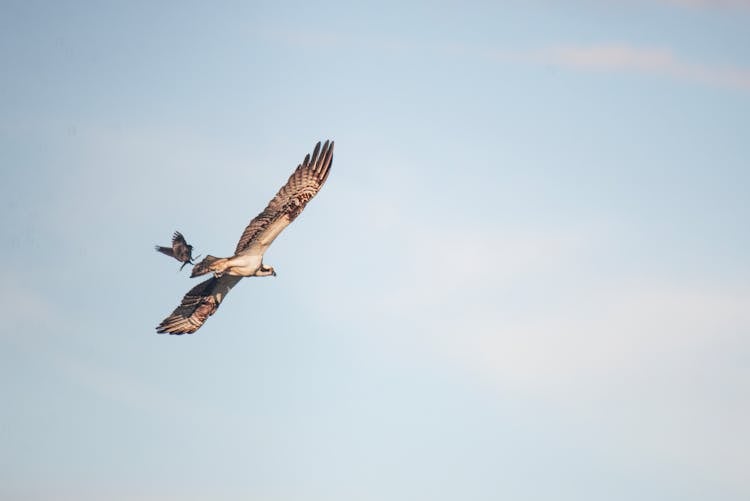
[
  {"x": 182, "y": 251},
  {"x": 302, "y": 186},
  {"x": 199, "y": 303},
  {"x": 178, "y": 239}
]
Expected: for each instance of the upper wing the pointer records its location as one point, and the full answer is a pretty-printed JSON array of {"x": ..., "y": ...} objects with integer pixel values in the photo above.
[
  {"x": 199, "y": 303},
  {"x": 303, "y": 184},
  {"x": 178, "y": 239},
  {"x": 182, "y": 250}
]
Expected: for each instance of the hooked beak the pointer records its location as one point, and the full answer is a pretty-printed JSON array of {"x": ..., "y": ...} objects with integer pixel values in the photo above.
[{"x": 273, "y": 273}]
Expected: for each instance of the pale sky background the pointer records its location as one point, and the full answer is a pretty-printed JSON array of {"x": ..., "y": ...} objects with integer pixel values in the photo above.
[{"x": 527, "y": 277}]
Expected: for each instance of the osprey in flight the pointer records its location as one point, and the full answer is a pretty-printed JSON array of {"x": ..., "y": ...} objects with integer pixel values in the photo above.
[
  {"x": 203, "y": 300},
  {"x": 180, "y": 250}
]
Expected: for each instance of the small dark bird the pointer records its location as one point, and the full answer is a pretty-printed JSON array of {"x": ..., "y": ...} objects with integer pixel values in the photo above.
[{"x": 180, "y": 250}]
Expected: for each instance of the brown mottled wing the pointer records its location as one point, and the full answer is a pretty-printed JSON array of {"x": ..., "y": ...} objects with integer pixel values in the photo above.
[
  {"x": 199, "y": 303},
  {"x": 180, "y": 248},
  {"x": 302, "y": 186}
]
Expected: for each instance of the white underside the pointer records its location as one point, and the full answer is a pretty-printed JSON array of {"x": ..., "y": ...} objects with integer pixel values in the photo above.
[{"x": 244, "y": 265}]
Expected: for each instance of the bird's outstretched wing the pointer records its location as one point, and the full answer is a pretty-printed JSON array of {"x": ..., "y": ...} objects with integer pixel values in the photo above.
[
  {"x": 182, "y": 251},
  {"x": 302, "y": 186},
  {"x": 178, "y": 239},
  {"x": 199, "y": 303}
]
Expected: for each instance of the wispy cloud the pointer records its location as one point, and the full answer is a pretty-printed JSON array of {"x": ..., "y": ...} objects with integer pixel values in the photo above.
[
  {"x": 710, "y": 3},
  {"x": 631, "y": 59},
  {"x": 604, "y": 57},
  {"x": 650, "y": 363},
  {"x": 473, "y": 261},
  {"x": 661, "y": 357}
]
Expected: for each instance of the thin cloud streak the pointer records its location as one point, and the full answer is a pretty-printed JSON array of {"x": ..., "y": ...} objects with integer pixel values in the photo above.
[
  {"x": 630, "y": 59},
  {"x": 607, "y": 57},
  {"x": 711, "y": 4}
]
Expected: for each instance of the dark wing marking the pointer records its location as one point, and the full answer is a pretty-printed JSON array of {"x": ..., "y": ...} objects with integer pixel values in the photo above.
[
  {"x": 178, "y": 239},
  {"x": 302, "y": 186},
  {"x": 199, "y": 303},
  {"x": 182, "y": 251}
]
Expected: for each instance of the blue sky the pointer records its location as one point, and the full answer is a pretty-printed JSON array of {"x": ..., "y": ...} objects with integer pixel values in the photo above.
[{"x": 526, "y": 277}]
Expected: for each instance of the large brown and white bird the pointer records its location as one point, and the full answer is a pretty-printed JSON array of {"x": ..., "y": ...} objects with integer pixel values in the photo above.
[
  {"x": 180, "y": 250},
  {"x": 203, "y": 300}
]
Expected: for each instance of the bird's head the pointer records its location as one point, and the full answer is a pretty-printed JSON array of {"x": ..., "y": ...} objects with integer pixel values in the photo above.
[{"x": 265, "y": 271}]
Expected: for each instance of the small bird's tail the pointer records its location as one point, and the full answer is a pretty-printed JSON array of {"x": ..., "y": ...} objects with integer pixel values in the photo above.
[
  {"x": 209, "y": 263},
  {"x": 164, "y": 250}
]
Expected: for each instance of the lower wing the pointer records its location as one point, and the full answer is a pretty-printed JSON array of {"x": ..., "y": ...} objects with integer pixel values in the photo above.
[{"x": 199, "y": 303}]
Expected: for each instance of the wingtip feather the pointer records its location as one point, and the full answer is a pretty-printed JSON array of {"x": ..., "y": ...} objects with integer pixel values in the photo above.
[
  {"x": 316, "y": 151},
  {"x": 325, "y": 162}
]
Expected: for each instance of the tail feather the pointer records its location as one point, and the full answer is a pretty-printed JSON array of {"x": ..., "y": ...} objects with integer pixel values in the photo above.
[
  {"x": 208, "y": 264},
  {"x": 164, "y": 250}
]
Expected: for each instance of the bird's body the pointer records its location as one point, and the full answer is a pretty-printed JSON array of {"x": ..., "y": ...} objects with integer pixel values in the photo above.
[
  {"x": 243, "y": 265},
  {"x": 180, "y": 249},
  {"x": 239, "y": 265},
  {"x": 204, "y": 299}
]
